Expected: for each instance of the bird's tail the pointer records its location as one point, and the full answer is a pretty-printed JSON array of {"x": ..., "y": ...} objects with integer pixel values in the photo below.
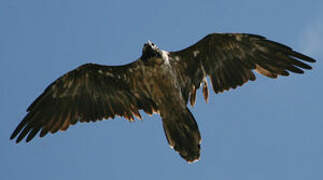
[{"x": 182, "y": 134}]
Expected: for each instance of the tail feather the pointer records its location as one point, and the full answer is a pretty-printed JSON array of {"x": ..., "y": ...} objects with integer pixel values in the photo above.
[{"x": 182, "y": 134}]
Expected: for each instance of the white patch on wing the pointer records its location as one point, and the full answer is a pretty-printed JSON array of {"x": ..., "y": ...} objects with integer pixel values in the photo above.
[
  {"x": 164, "y": 55},
  {"x": 109, "y": 74},
  {"x": 69, "y": 84},
  {"x": 54, "y": 90},
  {"x": 196, "y": 52},
  {"x": 203, "y": 70},
  {"x": 238, "y": 37}
]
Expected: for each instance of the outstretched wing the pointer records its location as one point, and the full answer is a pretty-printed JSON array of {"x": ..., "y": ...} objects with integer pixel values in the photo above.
[
  {"x": 228, "y": 59},
  {"x": 89, "y": 93}
]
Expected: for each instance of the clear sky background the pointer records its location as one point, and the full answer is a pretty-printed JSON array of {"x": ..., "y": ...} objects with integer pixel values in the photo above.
[{"x": 265, "y": 130}]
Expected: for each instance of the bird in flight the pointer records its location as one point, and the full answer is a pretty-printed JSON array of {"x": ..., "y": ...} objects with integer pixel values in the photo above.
[{"x": 159, "y": 82}]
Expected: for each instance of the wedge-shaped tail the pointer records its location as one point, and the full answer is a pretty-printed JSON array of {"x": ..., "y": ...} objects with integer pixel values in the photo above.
[{"x": 182, "y": 133}]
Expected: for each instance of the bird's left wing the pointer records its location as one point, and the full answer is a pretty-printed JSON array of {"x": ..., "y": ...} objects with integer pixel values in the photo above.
[
  {"x": 89, "y": 93},
  {"x": 229, "y": 60}
]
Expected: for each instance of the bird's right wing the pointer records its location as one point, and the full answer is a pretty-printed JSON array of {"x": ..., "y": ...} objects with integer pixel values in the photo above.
[{"x": 89, "y": 93}]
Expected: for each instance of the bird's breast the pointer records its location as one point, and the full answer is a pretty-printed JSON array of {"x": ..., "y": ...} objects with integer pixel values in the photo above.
[{"x": 160, "y": 80}]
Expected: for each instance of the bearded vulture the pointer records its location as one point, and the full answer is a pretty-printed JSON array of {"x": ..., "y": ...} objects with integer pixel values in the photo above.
[{"x": 159, "y": 82}]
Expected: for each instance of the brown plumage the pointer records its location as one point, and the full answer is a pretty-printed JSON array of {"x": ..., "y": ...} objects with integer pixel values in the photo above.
[{"x": 159, "y": 82}]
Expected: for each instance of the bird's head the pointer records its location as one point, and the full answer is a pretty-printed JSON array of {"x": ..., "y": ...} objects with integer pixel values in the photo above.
[{"x": 150, "y": 50}]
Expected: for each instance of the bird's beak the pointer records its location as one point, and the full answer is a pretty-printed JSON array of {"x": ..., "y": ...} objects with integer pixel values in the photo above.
[{"x": 149, "y": 42}]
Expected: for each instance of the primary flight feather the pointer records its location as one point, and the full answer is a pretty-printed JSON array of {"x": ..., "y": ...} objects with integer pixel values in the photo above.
[{"x": 159, "y": 82}]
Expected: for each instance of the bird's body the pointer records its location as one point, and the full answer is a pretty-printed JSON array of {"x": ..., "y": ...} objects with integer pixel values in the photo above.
[{"x": 159, "y": 82}]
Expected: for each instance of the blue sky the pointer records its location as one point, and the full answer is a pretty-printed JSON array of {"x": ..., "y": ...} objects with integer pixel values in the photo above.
[{"x": 267, "y": 129}]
